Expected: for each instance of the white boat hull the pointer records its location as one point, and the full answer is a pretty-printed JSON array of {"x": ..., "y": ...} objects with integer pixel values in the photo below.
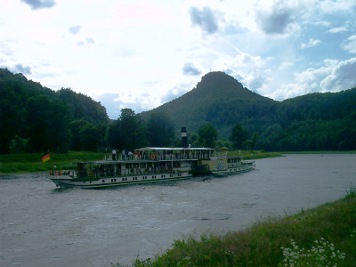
[{"x": 105, "y": 182}]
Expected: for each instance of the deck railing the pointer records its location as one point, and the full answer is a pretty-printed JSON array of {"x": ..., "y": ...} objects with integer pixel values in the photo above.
[{"x": 154, "y": 156}]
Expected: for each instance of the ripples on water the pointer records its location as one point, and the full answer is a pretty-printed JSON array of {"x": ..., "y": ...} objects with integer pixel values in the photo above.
[{"x": 45, "y": 226}]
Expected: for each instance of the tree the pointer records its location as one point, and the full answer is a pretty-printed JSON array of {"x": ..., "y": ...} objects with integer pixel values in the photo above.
[
  {"x": 47, "y": 124},
  {"x": 238, "y": 136},
  {"x": 58, "y": 131},
  {"x": 207, "y": 135},
  {"x": 193, "y": 139},
  {"x": 127, "y": 132},
  {"x": 18, "y": 145},
  {"x": 86, "y": 136},
  {"x": 251, "y": 143},
  {"x": 83, "y": 107},
  {"x": 11, "y": 124},
  {"x": 160, "y": 130}
]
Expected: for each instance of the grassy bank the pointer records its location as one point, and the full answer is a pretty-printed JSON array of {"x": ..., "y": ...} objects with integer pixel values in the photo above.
[
  {"x": 323, "y": 236},
  {"x": 17, "y": 163},
  {"x": 255, "y": 154},
  {"x": 321, "y": 152}
]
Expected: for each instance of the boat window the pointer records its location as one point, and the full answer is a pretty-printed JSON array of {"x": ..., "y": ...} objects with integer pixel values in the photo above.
[{"x": 103, "y": 181}]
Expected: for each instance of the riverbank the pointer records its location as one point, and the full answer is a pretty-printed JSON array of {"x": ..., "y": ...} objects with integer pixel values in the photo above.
[
  {"x": 22, "y": 163},
  {"x": 321, "y": 152},
  {"x": 322, "y": 236},
  {"x": 31, "y": 162}
]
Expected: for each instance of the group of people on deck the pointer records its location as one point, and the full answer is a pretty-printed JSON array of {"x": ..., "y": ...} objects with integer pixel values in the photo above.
[{"x": 125, "y": 154}]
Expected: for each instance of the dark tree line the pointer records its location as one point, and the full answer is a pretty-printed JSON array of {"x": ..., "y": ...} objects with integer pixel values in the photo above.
[
  {"x": 34, "y": 118},
  {"x": 219, "y": 112},
  {"x": 37, "y": 119}
]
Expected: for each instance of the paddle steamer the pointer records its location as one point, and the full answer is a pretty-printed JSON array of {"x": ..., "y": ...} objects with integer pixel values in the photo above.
[{"x": 151, "y": 164}]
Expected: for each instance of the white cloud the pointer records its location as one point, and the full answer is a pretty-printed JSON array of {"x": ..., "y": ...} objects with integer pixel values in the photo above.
[
  {"x": 148, "y": 52},
  {"x": 338, "y": 29},
  {"x": 19, "y": 68},
  {"x": 190, "y": 69},
  {"x": 39, "y": 4},
  {"x": 205, "y": 18},
  {"x": 342, "y": 76},
  {"x": 177, "y": 91},
  {"x": 74, "y": 29},
  {"x": 278, "y": 19},
  {"x": 311, "y": 43},
  {"x": 350, "y": 44},
  {"x": 334, "y": 76},
  {"x": 251, "y": 71}
]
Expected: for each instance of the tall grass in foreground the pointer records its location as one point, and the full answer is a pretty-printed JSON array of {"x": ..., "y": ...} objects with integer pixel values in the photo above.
[{"x": 323, "y": 236}]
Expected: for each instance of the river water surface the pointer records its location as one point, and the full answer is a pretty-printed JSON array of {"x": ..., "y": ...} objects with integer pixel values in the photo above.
[{"x": 44, "y": 226}]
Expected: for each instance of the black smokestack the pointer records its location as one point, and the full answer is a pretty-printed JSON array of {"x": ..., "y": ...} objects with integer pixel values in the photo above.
[{"x": 184, "y": 137}]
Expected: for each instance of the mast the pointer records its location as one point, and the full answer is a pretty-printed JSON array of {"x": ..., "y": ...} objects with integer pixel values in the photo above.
[{"x": 184, "y": 137}]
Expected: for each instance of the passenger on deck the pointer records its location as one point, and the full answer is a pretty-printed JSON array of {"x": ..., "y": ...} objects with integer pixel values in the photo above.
[
  {"x": 130, "y": 155},
  {"x": 114, "y": 154}
]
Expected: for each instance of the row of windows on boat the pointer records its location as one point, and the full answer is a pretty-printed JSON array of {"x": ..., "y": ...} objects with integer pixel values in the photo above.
[
  {"x": 125, "y": 179},
  {"x": 155, "y": 156},
  {"x": 119, "y": 172}
]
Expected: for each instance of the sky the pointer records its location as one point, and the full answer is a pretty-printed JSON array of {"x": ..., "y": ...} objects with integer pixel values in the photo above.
[{"x": 140, "y": 54}]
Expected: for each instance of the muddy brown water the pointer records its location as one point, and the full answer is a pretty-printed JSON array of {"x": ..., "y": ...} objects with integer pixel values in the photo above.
[{"x": 43, "y": 226}]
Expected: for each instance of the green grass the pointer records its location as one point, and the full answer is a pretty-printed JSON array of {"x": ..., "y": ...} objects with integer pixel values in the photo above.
[
  {"x": 321, "y": 152},
  {"x": 323, "y": 236},
  {"x": 255, "y": 154},
  {"x": 17, "y": 163}
]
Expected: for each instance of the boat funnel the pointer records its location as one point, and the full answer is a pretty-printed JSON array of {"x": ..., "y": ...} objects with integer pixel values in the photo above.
[{"x": 184, "y": 137}]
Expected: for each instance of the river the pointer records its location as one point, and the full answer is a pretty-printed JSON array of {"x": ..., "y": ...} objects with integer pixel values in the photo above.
[{"x": 44, "y": 226}]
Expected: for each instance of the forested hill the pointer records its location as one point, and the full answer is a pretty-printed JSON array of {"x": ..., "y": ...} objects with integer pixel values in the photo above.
[
  {"x": 320, "y": 121},
  {"x": 220, "y": 100},
  {"x": 39, "y": 118},
  {"x": 34, "y": 118}
]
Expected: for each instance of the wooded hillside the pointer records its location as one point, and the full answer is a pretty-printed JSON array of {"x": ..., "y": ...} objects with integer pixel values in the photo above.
[
  {"x": 39, "y": 118},
  {"x": 220, "y": 100},
  {"x": 34, "y": 118},
  {"x": 320, "y": 121}
]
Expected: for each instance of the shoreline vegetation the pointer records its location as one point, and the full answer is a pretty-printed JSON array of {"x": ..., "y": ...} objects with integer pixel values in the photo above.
[
  {"x": 321, "y": 236},
  {"x": 31, "y": 162}
]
